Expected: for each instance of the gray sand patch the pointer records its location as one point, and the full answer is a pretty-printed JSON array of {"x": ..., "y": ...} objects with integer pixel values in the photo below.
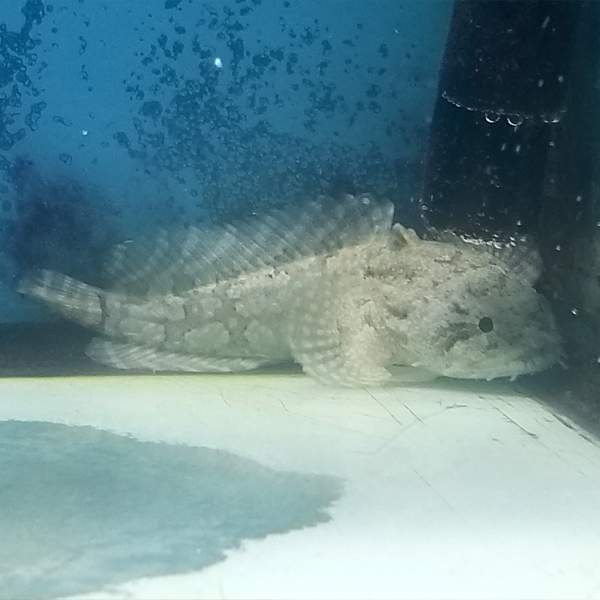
[{"x": 82, "y": 509}]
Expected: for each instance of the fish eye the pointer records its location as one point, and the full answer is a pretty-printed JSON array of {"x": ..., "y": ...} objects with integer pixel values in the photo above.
[{"x": 486, "y": 324}]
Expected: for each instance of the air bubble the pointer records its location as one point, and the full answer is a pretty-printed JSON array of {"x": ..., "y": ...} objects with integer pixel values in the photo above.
[
  {"x": 492, "y": 117},
  {"x": 557, "y": 247},
  {"x": 517, "y": 148},
  {"x": 218, "y": 63},
  {"x": 514, "y": 120},
  {"x": 574, "y": 311}
]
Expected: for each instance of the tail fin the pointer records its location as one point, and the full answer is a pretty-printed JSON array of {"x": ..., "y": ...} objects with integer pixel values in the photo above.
[{"x": 74, "y": 299}]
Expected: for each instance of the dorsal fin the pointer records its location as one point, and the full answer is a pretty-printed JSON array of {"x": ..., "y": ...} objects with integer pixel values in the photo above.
[{"x": 180, "y": 259}]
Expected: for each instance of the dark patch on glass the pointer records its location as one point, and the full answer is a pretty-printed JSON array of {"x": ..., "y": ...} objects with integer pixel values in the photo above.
[
  {"x": 62, "y": 120},
  {"x": 59, "y": 224},
  {"x": 65, "y": 158},
  {"x": 152, "y": 109},
  {"x": 121, "y": 138},
  {"x": 373, "y": 90},
  {"x": 261, "y": 60}
]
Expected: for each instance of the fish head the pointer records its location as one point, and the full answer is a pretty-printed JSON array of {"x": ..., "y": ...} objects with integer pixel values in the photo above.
[{"x": 483, "y": 323}]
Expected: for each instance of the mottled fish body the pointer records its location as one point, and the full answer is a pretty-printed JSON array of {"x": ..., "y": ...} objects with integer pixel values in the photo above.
[{"x": 333, "y": 287}]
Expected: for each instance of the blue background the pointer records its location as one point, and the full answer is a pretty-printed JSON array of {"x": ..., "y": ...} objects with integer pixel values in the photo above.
[{"x": 124, "y": 119}]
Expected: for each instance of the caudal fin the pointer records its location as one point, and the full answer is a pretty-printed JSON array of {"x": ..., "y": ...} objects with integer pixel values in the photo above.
[{"x": 73, "y": 299}]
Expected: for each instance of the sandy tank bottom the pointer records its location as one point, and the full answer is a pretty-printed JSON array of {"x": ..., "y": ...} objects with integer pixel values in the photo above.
[{"x": 273, "y": 486}]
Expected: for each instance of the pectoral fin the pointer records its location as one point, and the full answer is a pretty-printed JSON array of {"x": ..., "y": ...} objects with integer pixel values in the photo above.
[{"x": 328, "y": 351}]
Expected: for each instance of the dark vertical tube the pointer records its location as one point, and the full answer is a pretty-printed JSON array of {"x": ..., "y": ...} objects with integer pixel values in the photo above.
[{"x": 503, "y": 88}]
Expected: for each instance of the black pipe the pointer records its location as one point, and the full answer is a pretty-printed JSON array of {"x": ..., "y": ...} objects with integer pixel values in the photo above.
[{"x": 503, "y": 88}]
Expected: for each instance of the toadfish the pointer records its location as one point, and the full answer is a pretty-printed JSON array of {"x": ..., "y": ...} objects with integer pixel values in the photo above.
[{"x": 333, "y": 286}]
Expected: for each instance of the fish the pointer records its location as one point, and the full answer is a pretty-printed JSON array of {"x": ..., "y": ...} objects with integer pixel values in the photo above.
[{"x": 333, "y": 285}]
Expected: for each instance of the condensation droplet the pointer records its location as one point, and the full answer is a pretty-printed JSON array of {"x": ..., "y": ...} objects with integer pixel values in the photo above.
[
  {"x": 517, "y": 148},
  {"x": 557, "y": 247},
  {"x": 519, "y": 223},
  {"x": 503, "y": 147},
  {"x": 574, "y": 311},
  {"x": 540, "y": 83},
  {"x": 578, "y": 198},
  {"x": 218, "y": 63},
  {"x": 561, "y": 79},
  {"x": 545, "y": 22}
]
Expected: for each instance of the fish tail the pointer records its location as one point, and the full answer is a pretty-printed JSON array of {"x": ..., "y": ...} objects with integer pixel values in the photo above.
[{"x": 71, "y": 298}]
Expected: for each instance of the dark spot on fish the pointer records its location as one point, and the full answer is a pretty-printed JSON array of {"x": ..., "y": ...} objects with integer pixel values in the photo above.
[
  {"x": 486, "y": 324},
  {"x": 461, "y": 334},
  {"x": 459, "y": 310},
  {"x": 400, "y": 312}
]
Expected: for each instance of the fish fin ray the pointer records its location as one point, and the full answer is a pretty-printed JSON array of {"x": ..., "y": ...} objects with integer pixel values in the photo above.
[
  {"x": 132, "y": 357},
  {"x": 186, "y": 258},
  {"x": 69, "y": 297},
  {"x": 324, "y": 352}
]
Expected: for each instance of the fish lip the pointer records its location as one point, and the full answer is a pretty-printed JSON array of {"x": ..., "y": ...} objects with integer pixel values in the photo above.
[{"x": 524, "y": 364}]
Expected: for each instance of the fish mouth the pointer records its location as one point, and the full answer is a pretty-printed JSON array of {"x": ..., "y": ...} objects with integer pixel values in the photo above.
[{"x": 521, "y": 363}]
